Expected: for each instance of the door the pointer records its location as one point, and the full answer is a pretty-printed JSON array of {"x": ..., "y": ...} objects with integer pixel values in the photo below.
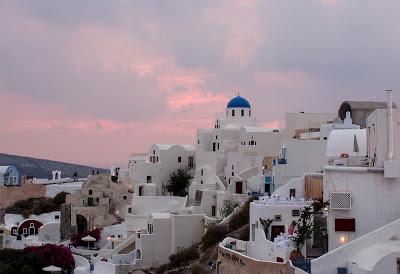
[
  {"x": 239, "y": 187},
  {"x": 213, "y": 146},
  {"x": 141, "y": 191},
  {"x": 90, "y": 201},
  {"x": 31, "y": 231},
  {"x": 276, "y": 230},
  {"x": 267, "y": 188},
  {"x": 81, "y": 224}
]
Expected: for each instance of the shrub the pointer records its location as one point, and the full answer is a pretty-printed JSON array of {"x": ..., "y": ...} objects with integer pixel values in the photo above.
[
  {"x": 215, "y": 233},
  {"x": 244, "y": 233},
  {"x": 59, "y": 199},
  {"x": 27, "y": 270},
  {"x": 227, "y": 208},
  {"x": 162, "y": 269},
  {"x": 178, "y": 182},
  {"x": 183, "y": 257},
  {"x": 197, "y": 269},
  {"x": 241, "y": 216},
  {"x": 36, "y": 205},
  {"x": 33, "y": 259},
  {"x": 6, "y": 268}
]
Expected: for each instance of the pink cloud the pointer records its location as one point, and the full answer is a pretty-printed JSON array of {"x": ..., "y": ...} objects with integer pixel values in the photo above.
[
  {"x": 272, "y": 124},
  {"x": 187, "y": 99}
]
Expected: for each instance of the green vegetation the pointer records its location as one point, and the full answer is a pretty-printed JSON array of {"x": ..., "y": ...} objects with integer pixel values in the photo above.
[
  {"x": 215, "y": 233},
  {"x": 241, "y": 216},
  {"x": 305, "y": 225},
  {"x": 244, "y": 233},
  {"x": 178, "y": 183},
  {"x": 31, "y": 260},
  {"x": 266, "y": 223},
  {"x": 227, "y": 208},
  {"x": 37, "y": 206},
  {"x": 181, "y": 258},
  {"x": 162, "y": 269}
]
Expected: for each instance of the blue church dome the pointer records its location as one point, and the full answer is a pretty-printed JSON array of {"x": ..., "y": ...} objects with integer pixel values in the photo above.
[{"x": 238, "y": 102}]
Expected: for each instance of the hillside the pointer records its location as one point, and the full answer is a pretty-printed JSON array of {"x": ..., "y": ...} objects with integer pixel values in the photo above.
[{"x": 41, "y": 168}]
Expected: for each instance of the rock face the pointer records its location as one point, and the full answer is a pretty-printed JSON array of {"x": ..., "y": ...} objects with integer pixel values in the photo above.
[{"x": 40, "y": 168}]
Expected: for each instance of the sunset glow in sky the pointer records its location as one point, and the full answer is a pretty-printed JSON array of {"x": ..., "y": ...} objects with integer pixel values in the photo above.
[{"x": 92, "y": 81}]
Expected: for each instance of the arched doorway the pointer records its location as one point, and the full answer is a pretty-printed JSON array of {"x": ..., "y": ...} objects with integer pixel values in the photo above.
[{"x": 81, "y": 224}]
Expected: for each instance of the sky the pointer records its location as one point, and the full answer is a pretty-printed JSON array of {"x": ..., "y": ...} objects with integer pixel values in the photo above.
[{"x": 93, "y": 81}]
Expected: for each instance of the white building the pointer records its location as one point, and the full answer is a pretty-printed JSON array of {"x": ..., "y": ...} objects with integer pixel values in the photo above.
[
  {"x": 150, "y": 173},
  {"x": 9, "y": 176},
  {"x": 233, "y": 158}
]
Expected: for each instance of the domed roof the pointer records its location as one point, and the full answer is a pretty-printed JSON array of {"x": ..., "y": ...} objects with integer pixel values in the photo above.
[{"x": 238, "y": 102}]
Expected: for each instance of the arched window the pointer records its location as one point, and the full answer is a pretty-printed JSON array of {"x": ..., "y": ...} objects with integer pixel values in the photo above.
[
  {"x": 233, "y": 113},
  {"x": 242, "y": 112}
]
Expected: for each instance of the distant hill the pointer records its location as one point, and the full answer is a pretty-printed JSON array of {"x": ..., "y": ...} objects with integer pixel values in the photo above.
[{"x": 41, "y": 168}]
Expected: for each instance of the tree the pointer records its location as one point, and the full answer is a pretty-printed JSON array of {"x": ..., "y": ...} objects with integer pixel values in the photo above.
[
  {"x": 59, "y": 199},
  {"x": 178, "y": 182},
  {"x": 266, "y": 223},
  {"x": 305, "y": 227}
]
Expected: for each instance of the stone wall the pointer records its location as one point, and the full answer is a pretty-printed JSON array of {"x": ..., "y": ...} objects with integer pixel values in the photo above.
[
  {"x": 233, "y": 262},
  {"x": 10, "y": 194},
  {"x": 66, "y": 230}
]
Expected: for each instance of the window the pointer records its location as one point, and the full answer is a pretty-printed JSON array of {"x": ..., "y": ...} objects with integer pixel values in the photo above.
[
  {"x": 242, "y": 112},
  {"x": 24, "y": 231},
  {"x": 57, "y": 217},
  {"x": 158, "y": 158},
  {"x": 398, "y": 265},
  {"x": 292, "y": 192},
  {"x": 125, "y": 197},
  {"x": 347, "y": 225},
  {"x": 278, "y": 218},
  {"x": 201, "y": 182},
  {"x": 198, "y": 141},
  {"x": 179, "y": 159},
  {"x": 295, "y": 212},
  {"x": 218, "y": 146},
  {"x": 233, "y": 113},
  {"x": 216, "y": 137},
  {"x": 249, "y": 113},
  {"x": 1, "y": 231},
  {"x": 129, "y": 210},
  {"x": 154, "y": 151},
  {"x": 97, "y": 200},
  {"x": 150, "y": 228},
  {"x": 202, "y": 172},
  {"x": 190, "y": 161},
  {"x": 213, "y": 211},
  {"x": 252, "y": 142},
  {"x": 90, "y": 192}
]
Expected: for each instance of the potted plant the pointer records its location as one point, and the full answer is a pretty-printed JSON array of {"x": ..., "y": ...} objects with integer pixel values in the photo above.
[{"x": 304, "y": 231}]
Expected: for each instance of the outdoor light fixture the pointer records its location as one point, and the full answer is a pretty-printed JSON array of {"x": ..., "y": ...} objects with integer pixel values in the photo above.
[{"x": 343, "y": 240}]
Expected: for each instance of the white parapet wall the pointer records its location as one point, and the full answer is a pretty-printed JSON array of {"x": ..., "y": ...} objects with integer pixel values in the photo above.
[{"x": 382, "y": 243}]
